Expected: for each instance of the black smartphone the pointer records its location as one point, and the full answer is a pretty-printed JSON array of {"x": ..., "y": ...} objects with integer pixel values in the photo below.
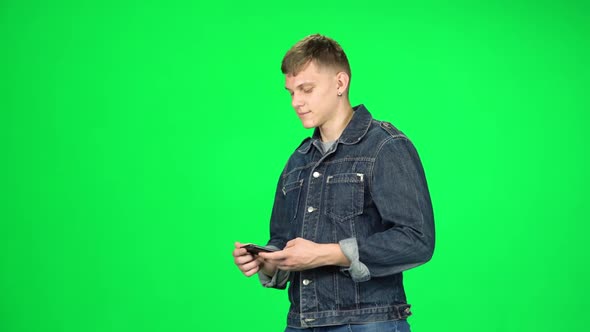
[{"x": 255, "y": 249}]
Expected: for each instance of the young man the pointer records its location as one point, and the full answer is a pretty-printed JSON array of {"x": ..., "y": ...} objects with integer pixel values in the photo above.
[{"x": 351, "y": 210}]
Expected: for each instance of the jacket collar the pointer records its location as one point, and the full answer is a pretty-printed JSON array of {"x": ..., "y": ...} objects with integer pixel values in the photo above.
[{"x": 352, "y": 134}]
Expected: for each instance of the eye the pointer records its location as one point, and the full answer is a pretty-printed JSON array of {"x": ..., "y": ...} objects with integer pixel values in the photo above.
[{"x": 308, "y": 90}]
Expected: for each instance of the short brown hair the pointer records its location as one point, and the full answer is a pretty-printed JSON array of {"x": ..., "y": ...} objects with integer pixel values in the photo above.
[{"x": 326, "y": 52}]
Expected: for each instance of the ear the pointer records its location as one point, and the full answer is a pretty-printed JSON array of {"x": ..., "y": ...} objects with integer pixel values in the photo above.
[{"x": 342, "y": 80}]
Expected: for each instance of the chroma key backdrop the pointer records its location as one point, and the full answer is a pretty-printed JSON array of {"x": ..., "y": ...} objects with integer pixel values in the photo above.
[{"x": 140, "y": 139}]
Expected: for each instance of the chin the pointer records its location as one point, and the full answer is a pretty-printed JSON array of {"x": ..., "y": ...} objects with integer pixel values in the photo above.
[{"x": 308, "y": 125}]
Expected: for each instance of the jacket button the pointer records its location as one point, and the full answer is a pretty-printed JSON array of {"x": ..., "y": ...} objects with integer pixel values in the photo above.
[
  {"x": 306, "y": 282},
  {"x": 316, "y": 174},
  {"x": 311, "y": 209}
]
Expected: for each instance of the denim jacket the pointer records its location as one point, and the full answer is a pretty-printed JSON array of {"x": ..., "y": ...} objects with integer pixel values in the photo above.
[{"x": 369, "y": 194}]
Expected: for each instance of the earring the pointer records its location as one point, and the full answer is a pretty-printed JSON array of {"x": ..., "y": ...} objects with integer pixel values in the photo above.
[{"x": 339, "y": 94}]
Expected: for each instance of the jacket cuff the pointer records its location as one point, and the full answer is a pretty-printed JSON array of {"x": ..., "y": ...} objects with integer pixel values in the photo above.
[
  {"x": 357, "y": 270},
  {"x": 278, "y": 280}
]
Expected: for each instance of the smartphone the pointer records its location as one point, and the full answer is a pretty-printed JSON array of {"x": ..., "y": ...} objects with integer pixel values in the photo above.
[{"x": 255, "y": 249}]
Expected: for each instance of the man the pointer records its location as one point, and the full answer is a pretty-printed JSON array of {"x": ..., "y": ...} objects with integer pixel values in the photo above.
[{"x": 351, "y": 210}]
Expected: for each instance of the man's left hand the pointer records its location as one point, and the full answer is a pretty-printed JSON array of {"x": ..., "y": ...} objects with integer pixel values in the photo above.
[{"x": 300, "y": 254}]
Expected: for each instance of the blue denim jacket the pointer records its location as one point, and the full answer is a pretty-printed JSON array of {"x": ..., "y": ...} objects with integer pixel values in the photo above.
[{"x": 369, "y": 194}]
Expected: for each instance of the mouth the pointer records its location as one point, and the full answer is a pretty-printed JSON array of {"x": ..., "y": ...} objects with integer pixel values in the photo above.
[{"x": 303, "y": 113}]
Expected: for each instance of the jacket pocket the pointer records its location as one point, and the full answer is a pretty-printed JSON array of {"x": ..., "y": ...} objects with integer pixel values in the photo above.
[
  {"x": 345, "y": 195},
  {"x": 291, "y": 192}
]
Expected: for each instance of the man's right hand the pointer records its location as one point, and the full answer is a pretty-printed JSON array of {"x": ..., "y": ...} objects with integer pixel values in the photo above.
[{"x": 246, "y": 262}]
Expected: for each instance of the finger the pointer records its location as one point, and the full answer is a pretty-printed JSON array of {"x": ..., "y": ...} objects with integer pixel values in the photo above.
[
  {"x": 276, "y": 255},
  {"x": 242, "y": 255},
  {"x": 251, "y": 272},
  {"x": 249, "y": 266},
  {"x": 244, "y": 259},
  {"x": 239, "y": 252}
]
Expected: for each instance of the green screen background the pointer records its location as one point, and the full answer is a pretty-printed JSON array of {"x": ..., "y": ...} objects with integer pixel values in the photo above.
[{"x": 140, "y": 139}]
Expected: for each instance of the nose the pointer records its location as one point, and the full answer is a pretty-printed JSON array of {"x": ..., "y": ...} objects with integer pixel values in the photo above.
[{"x": 296, "y": 101}]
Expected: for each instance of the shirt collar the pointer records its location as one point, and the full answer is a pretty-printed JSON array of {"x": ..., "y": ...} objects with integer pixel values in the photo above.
[{"x": 352, "y": 134}]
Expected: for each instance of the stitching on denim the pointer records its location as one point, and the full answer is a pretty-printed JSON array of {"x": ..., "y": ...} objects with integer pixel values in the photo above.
[
  {"x": 393, "y": 308},
  {"x": 336, "y": 288},
  {"x": 292, "y": 186},
  {"x": 346, "y": 178},
  {"x": 354, "y": 159},
  {"x": 338, "y": 218},
  {"x": 332, "y": 162}
]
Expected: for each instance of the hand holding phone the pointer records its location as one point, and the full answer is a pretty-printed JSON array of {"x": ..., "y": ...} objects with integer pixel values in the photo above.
[{"x": 255, "y": 249}]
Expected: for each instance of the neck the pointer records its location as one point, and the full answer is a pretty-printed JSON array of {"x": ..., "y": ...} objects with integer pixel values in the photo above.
[{"x": 332, "y": 130}]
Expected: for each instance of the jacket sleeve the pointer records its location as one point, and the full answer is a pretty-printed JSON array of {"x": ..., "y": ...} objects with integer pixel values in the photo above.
[{"x": 400, "y": 193}]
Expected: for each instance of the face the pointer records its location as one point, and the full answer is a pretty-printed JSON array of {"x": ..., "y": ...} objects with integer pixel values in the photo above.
[{"x": 314, "y": 95}]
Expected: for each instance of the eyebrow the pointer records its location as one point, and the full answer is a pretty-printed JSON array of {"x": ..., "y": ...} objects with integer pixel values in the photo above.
[{"x": 302, "y": 85}]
